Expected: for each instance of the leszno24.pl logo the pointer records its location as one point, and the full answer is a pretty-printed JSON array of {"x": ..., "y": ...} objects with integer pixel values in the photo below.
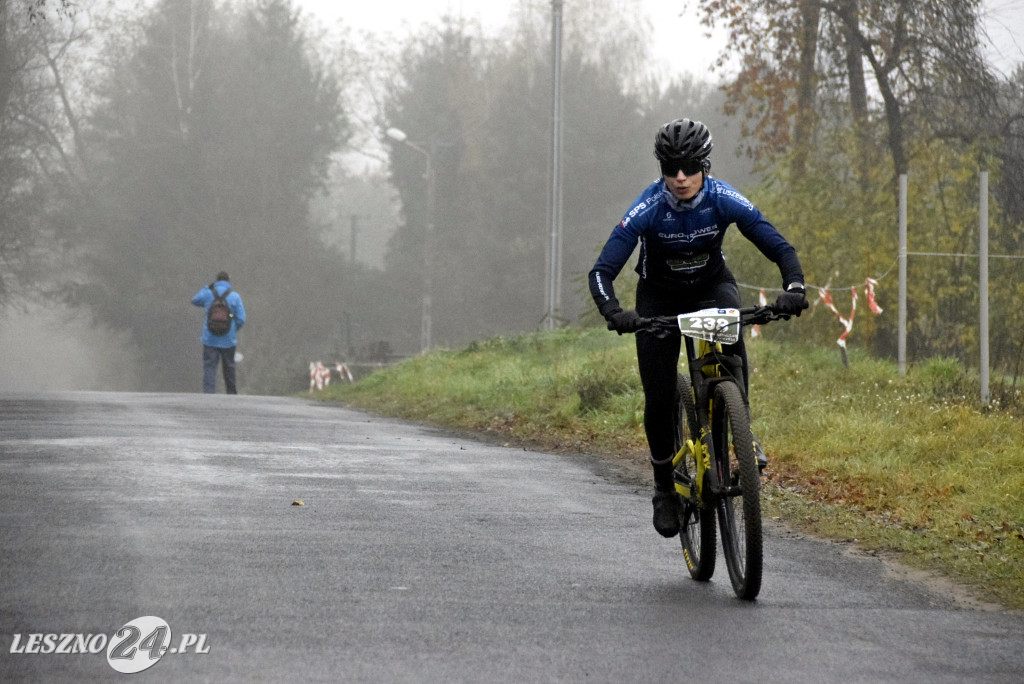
[{"x": 137, "y": 646}]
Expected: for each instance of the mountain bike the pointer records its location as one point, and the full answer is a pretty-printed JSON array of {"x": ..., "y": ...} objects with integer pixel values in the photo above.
[{"x": 716, "y": 466}]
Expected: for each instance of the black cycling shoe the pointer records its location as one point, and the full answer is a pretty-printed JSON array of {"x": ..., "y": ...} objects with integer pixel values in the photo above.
[
  {"x": 762, "y": 460},
  {"x": 666, "y": 512}
]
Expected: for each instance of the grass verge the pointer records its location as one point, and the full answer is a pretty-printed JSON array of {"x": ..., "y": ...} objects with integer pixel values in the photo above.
[{"x": 907, "y": 465}]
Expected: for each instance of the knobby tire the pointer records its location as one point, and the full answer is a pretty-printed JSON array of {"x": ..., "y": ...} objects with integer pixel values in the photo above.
[
  {"x": 697, "y": 532},
  {"x": 739, "y": 516}
]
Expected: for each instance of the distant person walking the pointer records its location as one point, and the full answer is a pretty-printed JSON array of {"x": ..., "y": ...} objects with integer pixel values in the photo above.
[{"x": 225, "y": 316}]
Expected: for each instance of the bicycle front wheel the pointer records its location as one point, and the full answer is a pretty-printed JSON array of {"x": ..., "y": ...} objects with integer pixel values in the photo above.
[
  {"x": 739, "y": 508},
  {"x": 697, "y": 532}
]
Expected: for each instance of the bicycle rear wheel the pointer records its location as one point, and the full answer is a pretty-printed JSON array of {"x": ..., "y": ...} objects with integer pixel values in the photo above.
[
  {"x": 697, "y": 532},
  {"x": 739, "y": 511}
]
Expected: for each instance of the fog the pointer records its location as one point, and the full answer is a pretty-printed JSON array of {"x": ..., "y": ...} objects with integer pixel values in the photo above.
[
  {"x": 197, "y": 137},
  {"x": 54, "y": 348},
  {"x": 147, "y": 146}
]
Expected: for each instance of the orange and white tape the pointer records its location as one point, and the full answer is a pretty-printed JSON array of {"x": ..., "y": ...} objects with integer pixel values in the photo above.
[
  {"x": 762, "y": 299},
  {"x": 320, "y": 375}
]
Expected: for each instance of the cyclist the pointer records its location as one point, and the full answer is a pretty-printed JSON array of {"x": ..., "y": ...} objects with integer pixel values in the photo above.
[{"x": 680, "y": 222}]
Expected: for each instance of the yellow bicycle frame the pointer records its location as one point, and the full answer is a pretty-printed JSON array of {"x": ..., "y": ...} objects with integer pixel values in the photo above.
[
  {"x": 702, "y": 458},
  {"x": 700, "y": 453}
]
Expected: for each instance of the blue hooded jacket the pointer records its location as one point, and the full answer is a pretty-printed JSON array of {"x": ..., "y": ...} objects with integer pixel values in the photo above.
[{"x": 204, "y": 298}]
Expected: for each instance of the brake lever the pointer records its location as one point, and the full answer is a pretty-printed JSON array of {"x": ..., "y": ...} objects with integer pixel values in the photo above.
[{"x": 655, "y": 328}]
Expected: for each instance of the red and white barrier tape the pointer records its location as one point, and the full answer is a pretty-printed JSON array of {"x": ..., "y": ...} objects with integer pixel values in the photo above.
[
  {"x": 872, "y": 302},
  {"x": 344, "y": 372},
  {"x": 320, "y": 375},
  {"x": 825, "y": 297},
  {"x": 847, "y": 323},
  {"x": 762, "y": 300}
]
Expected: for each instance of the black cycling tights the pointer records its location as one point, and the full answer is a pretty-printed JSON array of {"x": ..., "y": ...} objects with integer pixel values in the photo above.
[{"x": 658, "y": 359}]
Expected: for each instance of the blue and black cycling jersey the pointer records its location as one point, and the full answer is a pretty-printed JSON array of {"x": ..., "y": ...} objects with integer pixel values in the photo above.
[{"x": 681, "y": 241}]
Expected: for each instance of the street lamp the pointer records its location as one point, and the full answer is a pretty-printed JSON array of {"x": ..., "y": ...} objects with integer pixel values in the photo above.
[{"x": 399, "y": 135}]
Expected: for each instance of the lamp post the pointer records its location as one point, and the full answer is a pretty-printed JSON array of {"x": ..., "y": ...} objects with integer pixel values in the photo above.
[{"x": 399, "y": 135}]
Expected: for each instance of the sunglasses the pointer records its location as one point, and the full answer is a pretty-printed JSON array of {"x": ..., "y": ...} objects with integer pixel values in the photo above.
[{"x": 689, "y": 167}]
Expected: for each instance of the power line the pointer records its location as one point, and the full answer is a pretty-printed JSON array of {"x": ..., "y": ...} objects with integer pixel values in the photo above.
[
  {"x": 835, "y": 288},
  {"x": 831, "y": 288},
  {"x": 973, "y": 256}
]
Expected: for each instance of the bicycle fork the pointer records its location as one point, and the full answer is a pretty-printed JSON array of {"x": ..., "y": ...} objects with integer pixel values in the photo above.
[{"x": 701, "y": 455}]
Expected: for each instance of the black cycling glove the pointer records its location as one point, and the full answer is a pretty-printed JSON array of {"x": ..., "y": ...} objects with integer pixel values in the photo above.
[
  {"x": 624, "y": 321},
  {"x": 792, "y": 302}
]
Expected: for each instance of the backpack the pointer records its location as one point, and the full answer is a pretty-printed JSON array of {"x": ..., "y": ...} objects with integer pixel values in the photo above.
[{"x": 218, "y": 318}]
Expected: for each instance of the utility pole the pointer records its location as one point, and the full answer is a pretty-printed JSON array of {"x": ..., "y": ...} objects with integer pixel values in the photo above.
[
  {"x": 352, "y": 239},
  {"x": 901, "y": 325},
  {"x": 555, "y": 263},
  {"x": 983, "y": 286},
  {"x": 426, "y": 320},
  {"x": 428, "y": 249}
]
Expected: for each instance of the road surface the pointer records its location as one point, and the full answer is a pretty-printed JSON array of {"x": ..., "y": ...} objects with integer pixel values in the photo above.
[{"x": 418, "y": 556}]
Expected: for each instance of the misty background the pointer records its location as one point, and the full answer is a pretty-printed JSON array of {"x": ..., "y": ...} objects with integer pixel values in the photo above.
[{"x": 146, "y": 146}]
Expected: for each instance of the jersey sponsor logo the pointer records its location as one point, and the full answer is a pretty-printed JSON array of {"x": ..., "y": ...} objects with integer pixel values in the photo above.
[
  {"x": 691, "y": 262},
  {"x": 643, "y": 257},
  {"x": 639, "y": 208},
  {"x": 706, "y": 231},
  {"x": 736, "y": 196}
]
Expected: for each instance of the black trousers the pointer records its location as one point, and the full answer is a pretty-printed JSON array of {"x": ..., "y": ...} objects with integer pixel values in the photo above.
[{"x": 658, "y": 359}]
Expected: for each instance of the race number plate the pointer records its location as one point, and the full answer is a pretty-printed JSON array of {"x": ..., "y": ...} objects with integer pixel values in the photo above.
[{"x": 713, "y": 325}]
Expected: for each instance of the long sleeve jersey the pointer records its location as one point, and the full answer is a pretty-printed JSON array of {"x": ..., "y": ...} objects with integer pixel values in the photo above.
[{"x": 681, "y": 241}]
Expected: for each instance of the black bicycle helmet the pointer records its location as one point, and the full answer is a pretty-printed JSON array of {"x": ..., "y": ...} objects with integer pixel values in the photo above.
[{"x": 682, "y": 139}]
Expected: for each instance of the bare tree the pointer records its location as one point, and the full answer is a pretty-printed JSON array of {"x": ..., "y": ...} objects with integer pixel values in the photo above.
[
  {"x": 40, "y": 143},
  {"x": 36, "y": 9},
  {"x": 923, "y": 55}
]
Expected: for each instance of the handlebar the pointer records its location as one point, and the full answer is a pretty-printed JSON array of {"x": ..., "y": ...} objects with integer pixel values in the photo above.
[
  {"x": 753, "y": 315},
  {"x": 759, "y": 315}
]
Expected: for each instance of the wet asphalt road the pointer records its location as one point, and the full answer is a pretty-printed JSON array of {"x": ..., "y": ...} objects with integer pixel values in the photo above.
[{"x": 419, "y": 556}]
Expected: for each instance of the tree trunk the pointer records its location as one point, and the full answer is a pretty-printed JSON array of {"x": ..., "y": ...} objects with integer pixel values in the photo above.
[
  {"x": 893, "y": 112},
  {"x": 858, "y": 90},
  {"x": 803, "y": 133}
]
